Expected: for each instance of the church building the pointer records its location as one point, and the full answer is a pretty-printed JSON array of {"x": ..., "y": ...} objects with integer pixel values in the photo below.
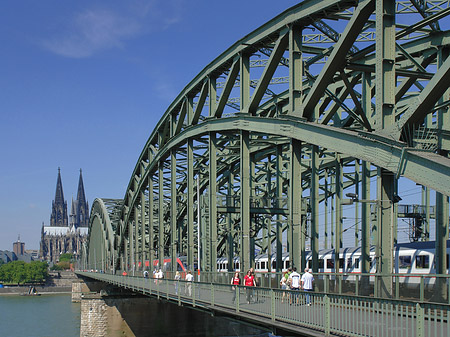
[{"x": 66, "y": 233}]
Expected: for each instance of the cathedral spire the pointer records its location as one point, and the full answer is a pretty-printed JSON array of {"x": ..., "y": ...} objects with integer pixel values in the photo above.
[
  {"x": 81, "y": 204},
  {"x": 59, "y": 194},
  {"x": 58, "y": 217}
]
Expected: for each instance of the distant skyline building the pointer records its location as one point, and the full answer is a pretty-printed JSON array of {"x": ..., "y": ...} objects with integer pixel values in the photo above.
[
  {"x": 64, "y": 236},
  {"x": 18, "y": 247}
]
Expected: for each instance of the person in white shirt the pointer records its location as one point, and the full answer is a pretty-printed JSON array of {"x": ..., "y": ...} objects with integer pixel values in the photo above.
[
  {"x": 294, "y": 283},
  {"x": 307, "y": 284},
  {"x": 188, "y": 287}
]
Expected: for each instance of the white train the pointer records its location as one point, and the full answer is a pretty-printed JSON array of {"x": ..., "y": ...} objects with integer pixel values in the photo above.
[{"x": 411, "y": 259}]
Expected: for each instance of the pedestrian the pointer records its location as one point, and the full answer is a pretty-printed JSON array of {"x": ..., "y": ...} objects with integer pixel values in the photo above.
[
  {"x": 294, "y": 284},
  {"x": 235, "y": 281},
  {"x": 283, "y": 287},
  {"x": 146, "y": 276},
  {"x": 307, "y": 284},
  {"x": 249, "y": 281},
  {"x": 188, "y": 288},
  {"x": 160, "y": 275},
  {"x": 177, "y": 279}
]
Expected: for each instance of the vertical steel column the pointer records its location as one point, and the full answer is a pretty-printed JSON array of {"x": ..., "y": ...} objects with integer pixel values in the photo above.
[
  {"x": 357, "y": 180},
  {"x": 268, "y": 219},
  {"x": 190, "y": 189},
  {"x": 338, "y": 211},
  {"x": 278, "y": 203},
  {"x": 442, "y": 223},
  {"x": 173, "y": 209},
  {"x": 296, "y": 233},
  {"x": 295, "y": 68},
  {"x": 151, "y": 205},
  {"x": 245, "y": 82},
  {"x": 143, "y": 229},
  {"x": 365, "y": 218},
  {"x": 230, "y": 236},
  {"x": 212, "y": 202},
  {"x": 333, "y": 207},
  {"x": 365, "y": 227},
  {"x": 314, "y": 192},
  {"x": 161, "y": 213},
  {"x": 325, "y": 205},
  {"x": 136, "y": 237},
  {"x": 385, "y": 227},
  {"x": 426, "y": 203},
  {"x": 252, "y": 215},
  {"x": 385, "y": 63},
  {"x": 245, "y": 200},
  {"x": 190, "y": 203}
]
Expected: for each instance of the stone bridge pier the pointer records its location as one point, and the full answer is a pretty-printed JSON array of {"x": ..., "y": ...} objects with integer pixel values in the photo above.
[{"x": 110, "y": 311}]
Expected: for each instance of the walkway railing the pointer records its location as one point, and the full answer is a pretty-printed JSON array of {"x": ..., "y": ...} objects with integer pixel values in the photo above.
[
  {"x": 413, "y": 287},
  {"x": 328, "y": 313}
]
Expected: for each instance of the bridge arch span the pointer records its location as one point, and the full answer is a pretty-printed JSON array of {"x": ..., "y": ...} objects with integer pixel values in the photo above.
[{"x": 252, "y": 152}]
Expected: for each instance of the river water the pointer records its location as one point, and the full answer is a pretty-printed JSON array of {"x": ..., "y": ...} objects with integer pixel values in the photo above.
[
  {"x": 39, "y": 316},
  {"x": 55, "y": 315}
]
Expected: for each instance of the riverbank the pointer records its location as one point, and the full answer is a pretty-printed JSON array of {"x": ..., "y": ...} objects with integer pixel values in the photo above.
[{"x": 57, "y": 283}]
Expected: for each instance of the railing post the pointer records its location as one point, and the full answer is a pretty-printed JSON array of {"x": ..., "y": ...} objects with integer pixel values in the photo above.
[
  {"x": 327, "y": 315},
  {"x": 238, "y": 291},
  {"x": 193, "y": 293},
  {"x": 397, "y": 286},
  {"x": 422, "y": 289},
  {"x": 420, "y": 320},
  {"x": 167, "y": 288},
  {"x": 272, "y": 306},
  {"x": 357, "y": 284},
  {"x": 212, "y": 294}
]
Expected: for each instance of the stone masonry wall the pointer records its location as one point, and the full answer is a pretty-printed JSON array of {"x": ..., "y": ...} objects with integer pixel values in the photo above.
[{"x": 94, "y": 320}]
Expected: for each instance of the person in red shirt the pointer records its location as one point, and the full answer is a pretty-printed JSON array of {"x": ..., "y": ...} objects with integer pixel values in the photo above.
[
  {"x": 249, "y": 281},
  {"x": 235, "y": 281}
]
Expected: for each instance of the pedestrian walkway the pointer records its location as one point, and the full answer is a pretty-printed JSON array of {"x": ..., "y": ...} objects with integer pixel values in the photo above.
[{"x": 327, "y": 314}]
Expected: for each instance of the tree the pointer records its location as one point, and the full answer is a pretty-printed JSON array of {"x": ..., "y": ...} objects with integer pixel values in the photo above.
[
  {"x": 66, "y": 257},
  {"x": 20, "y": 272}
]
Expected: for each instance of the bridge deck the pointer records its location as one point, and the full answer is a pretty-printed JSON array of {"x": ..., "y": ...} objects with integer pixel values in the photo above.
[{"x": 327, "y": 314}]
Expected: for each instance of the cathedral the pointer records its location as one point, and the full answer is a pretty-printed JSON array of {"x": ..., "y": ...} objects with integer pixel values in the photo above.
[{"x": 66, "y": 233}]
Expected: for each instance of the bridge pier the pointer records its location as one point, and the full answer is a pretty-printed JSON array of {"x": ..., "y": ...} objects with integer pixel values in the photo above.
[{"x": 110, "y": 311}]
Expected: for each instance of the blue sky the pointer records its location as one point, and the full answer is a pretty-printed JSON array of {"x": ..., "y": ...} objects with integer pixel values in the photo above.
[{"x": 83, "y": 84}]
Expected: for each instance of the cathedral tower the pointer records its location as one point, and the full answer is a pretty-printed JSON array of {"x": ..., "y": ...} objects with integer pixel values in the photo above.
[
  {"x": 79, "y": 215},
  {"x": 59, "y": 217}
]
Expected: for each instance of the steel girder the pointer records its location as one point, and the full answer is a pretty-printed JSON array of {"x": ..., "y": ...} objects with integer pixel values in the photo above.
[
  {"x": 101, "y": 241},
  {"x": 347, "y": 105}
]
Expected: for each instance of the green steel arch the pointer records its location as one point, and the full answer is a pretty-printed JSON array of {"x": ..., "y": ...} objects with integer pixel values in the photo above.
[
  {"x": 313, "y": 104},
  {"x": 100, "y": 247}
]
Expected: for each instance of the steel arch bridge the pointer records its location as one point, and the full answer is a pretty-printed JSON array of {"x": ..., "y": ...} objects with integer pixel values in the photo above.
[{"x": 257, "y": 152}]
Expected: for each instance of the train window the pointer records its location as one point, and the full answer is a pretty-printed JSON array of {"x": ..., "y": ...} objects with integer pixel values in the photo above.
[
  {"x": 308, "y": 264},
  {"x": 330, "y": 263},
  {"x": 287, "y": 264},
  {"x": 404, "y": 261},
  {"x": 263, "y": 265},
  {"x": 274, "y": 265},
  {"x": 349, "y": 264},
  {"x": 356, "y": 265},
  {"x": 320, "y": 263},
  {"x": 422, "y": 261},
  {"x": 341, "y": 263},
  {"x": 236, "y": 265}
]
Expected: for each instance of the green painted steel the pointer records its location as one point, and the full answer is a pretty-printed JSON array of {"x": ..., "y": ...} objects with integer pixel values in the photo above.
[
  {"x": 257, "y": 153},
  {"x": 327, "y": 314}
]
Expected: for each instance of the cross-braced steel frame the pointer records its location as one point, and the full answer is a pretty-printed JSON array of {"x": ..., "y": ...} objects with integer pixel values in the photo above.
[{"x": 257, "y": 152}]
